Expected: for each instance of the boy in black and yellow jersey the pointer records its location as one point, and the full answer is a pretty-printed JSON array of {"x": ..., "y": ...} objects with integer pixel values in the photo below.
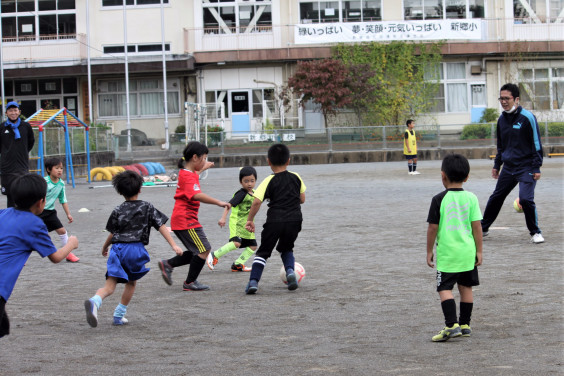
[
  {"x": 285, "y": 191},
  {"x": 410, "y": 148}
]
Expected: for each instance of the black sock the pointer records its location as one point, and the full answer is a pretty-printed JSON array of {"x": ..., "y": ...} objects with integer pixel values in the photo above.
[
  {"x": 183, "y": 259},
  {"x": 414, "y": 167},
  {"x": 449, "y": 310},
  {"x": 465, "y": 313},
  {"x": 410, "y": 167},
  {"x": 195, "y": 268}
]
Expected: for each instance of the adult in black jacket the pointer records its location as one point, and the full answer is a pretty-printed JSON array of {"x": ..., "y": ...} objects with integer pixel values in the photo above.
[
  {"x": 16, "y": 141},
  {"x": 519, "y": 150}
]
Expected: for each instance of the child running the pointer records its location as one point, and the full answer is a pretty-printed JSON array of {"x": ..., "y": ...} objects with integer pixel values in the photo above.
[
  {"x": 454, "y": 222},
  {"x": 56, "y": 190},
  {"x": 184, "y": 221},
  {"x": 239, "y": 236},
  {"x": 21, "y": 233},
  {"x": 286, "y": 192},
  {"x": 129, "y": 226}
]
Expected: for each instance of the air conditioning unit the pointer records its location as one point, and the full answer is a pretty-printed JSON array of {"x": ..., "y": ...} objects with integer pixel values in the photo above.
[
  {"x": 476, "y": 69},
  {"x": 111, "y": 126}
]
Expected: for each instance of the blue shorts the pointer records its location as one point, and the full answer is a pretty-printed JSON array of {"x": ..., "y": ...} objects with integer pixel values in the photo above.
[
  {"x": 410, "y": 156},
  {"x": 126, "y": 262}
]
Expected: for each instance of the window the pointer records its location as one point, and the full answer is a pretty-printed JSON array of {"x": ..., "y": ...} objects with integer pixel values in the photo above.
[
  {"x": 136, "y": 48},
  {"x": 318, "y": 11},
  {"x": 537, "y": 11},
  {"x": 230, "y": 16},
  {"x": 260, "y": 95},
  {"x": 55, "y": 19},
  {"x": 453, "y": 92},
  {"x": 542, "y": 88},
  {"x": 113, "y": 3},
  {"x": 146, "y": 98},
  {"x": 443, "y": 9}
]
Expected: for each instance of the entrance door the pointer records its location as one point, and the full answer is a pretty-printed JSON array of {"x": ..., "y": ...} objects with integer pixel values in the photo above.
[
  {"x": 240, "y": 111},
  {"x": 313, "y": 118},
  {"x": 479, "y": 101}
]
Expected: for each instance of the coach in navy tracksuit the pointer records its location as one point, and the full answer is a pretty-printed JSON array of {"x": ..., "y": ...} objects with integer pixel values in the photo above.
[{"x": 519, "y": 149}]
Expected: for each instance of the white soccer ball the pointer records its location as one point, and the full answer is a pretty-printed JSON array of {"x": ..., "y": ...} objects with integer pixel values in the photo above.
[{"x": 298, "y": 269}]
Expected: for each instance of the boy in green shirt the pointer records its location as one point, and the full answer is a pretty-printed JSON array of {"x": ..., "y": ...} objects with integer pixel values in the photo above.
[{"x": 454, "y": 222}]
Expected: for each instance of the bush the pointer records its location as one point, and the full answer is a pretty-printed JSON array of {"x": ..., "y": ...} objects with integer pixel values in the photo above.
[
  {"x": 180, "y": 129},
  {"x": 554, "y": 129},
  {"x": 490, "y": 115},
  {"x": 476, "y": 132}
]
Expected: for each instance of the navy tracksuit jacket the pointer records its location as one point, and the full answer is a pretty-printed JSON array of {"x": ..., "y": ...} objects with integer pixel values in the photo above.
[{"x": 519, "y": 150}]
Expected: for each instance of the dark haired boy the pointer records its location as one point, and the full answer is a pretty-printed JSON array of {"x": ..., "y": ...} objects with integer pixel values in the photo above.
[
  {"x": 21, "y": 233},
  {"x": 129, "y": 226},
  {"x": 239, "y": 236},
  {"x": 285, "y": 191},
  {"x": 454, "y": 223},
  {"x": 410, "y": 147}
]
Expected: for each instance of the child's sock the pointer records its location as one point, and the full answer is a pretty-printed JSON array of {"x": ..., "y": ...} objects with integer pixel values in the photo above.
[
  {"x": 288, "y": 260},
  {"x": 414, "y": 167},
  {"x": 120, "y": 310},
  {"x": 258, "y": 267},
  {"x": 225, "y": 249},
  {"x": 245, "y": 255},
  {"x": 64, "y": 238},
  {"x": 465, "y": 313},
  {"x": 196, "y": 266},
  {"x": 184, "y": 259},
  {"x": 97, "y": 300},
  {"x": 410, "y": 166},
  {"x": 449, "y": 310}
]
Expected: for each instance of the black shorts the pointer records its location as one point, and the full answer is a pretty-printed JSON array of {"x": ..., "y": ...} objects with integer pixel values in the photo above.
[
  {"x": 194, "y": 240},
  {"x": 244, "y": 242},
  {"x": 446, "y": 281},
  {"x": 51, "y": 220},
  {"x": 4, "y": 322},
  {"x": 281, "y": 235},
  {"x": 410, "y": 156}
]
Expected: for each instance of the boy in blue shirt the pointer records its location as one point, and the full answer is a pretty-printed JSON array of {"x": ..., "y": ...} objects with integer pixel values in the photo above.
[
  {"x": 21, "y": 233},
  {"x": 454, "y": 222}
]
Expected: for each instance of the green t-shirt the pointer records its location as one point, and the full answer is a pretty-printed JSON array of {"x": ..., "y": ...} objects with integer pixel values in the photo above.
[
  {"x": 454, "y": 210},
  {"x": 240, "y": 207},
  {"x": 54, "y": 191}
]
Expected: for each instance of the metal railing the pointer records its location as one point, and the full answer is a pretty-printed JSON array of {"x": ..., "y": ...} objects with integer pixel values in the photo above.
[{"x": 356, "y": 138}]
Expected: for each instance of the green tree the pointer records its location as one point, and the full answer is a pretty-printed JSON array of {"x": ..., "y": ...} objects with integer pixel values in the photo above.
[
  {"x": 325, "y": 82},
  {"x": 362, "y": 90},
  {"x": 406, "y": 77}
]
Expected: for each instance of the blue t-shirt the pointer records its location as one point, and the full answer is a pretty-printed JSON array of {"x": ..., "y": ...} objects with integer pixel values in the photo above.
[{"x": 21, "y": 232}]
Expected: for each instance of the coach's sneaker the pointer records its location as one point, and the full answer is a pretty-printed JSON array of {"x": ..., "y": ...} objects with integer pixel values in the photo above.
[
  {"x": 195, "y": 286},
  {"x": 72, "y": 258},
  {"x": 166, "y": 271},
  {"x": 211, "y": 261},
  {"x": 91, "y": 312},
  {"x": 292, "y": 279},
  {"x": 240, "y": 268},
  {"x": 120, "y": 320},
  {"x": 447, "y": 333},
  {"x": 252, "y": 287},
  {"x": 466, "y": 330},
  {"x": 537, "y": 238}
]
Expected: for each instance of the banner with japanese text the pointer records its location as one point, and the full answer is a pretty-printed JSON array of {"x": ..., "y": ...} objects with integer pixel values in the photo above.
[{"x": 388, "y": 31}]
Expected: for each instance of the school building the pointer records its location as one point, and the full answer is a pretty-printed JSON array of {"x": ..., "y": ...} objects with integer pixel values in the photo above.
[{"x": 233, "y": 55}]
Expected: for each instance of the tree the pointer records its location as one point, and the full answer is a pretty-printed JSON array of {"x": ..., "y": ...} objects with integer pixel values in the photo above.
[
  {"x": 362, "y": 90},
  {"x": 325, "y": 82},
  {"x": 405, "y": 77}
]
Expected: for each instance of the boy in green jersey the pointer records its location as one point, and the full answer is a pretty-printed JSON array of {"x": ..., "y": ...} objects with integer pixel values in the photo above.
[
  {"x": 454, "y": 223},
  {"x": 239, "y": 236}
]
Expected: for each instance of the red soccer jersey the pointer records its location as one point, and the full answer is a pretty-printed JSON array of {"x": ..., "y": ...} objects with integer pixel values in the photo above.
[{"x": 185, "y": 212}]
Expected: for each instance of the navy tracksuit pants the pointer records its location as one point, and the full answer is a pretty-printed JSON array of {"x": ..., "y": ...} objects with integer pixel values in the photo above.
[{"x": 506, "y": 182}]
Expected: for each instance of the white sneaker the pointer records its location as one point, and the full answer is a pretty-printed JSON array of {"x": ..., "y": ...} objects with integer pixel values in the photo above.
[
  {"x": 210, "y": 261},
  {"x": 416, "y": 173},
  {"x": 537, "y": 238},
  {"x": 410, "y": 173}
]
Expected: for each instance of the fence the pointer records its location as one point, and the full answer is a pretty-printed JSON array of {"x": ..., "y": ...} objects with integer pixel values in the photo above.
[{"x": 360, "y": 138}]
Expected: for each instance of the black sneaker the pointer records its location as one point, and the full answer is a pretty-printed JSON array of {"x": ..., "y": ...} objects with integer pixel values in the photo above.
[
  {"x": 166, "y": 271},
  {"x": 292, "y": 280},
  {"x": 240, "y": 268},
  {"x": 194, "y": 286},
  {"x": 252, "y": 287}
]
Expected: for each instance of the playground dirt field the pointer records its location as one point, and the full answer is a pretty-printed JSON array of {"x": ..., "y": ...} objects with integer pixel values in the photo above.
[{"x": 367, "y": 305}]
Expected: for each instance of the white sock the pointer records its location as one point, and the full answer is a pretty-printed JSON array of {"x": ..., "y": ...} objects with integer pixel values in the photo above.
[{"x": 64, "y": 238}]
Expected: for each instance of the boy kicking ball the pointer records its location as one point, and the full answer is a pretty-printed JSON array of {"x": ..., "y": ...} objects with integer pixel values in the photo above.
[{"x": 454, "y": 222}]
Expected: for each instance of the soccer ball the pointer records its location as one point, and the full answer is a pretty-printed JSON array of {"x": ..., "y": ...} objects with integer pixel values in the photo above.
[
  {"x": 518, "y": 208},
  {"x": 298, "y": 269}
]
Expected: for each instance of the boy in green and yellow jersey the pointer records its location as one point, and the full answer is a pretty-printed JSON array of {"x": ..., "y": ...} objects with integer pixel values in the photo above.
[
  {"x": 239, "y": 236},
  {"x": 454, "y": 223},
  {"x": 410, "y": 147}
]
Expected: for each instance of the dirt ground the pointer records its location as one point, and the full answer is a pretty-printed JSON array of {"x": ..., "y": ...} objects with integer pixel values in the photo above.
[{"x": 367, "y": 306}]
